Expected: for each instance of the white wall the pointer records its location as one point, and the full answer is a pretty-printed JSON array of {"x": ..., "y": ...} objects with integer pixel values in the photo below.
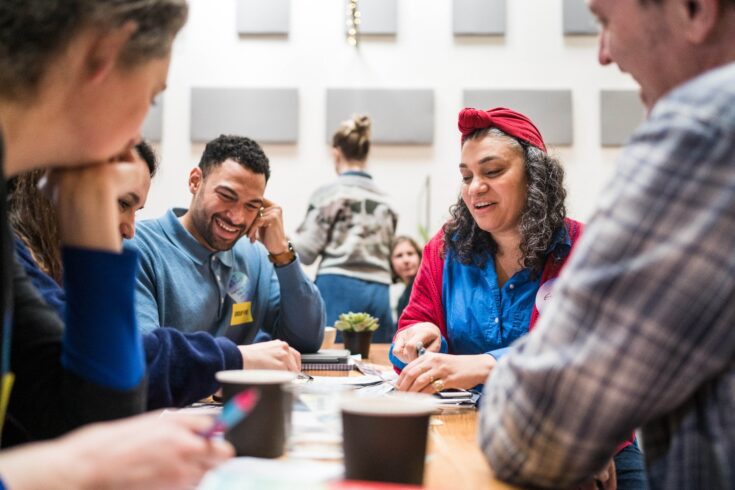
[{"x": 424, "y": 54}]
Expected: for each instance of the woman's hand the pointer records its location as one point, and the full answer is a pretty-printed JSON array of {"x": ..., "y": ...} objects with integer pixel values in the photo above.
[
  {"x": 87, "y": 201},
  {"x": 404, "y": 348},
  {"x": 436, "y": 372},
  {"x": 143, "y": 452},
  {"x": 605, "y": 479}
]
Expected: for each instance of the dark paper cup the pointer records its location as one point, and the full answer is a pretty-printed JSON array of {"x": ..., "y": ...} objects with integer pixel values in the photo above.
[
  {"x": 262, "y": 433},
  {"x": 384, "y": 438}
]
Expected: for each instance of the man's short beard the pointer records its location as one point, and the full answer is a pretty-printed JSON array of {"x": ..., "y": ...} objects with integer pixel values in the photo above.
[{"x": 204, "y": 227}]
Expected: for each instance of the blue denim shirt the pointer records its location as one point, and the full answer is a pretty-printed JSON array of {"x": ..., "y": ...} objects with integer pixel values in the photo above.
[{"x": 482, "y": 317}]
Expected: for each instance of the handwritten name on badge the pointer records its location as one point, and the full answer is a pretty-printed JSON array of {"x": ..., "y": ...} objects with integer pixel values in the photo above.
[
  {"x": 241, "y": 313},
  {"x": 543, "y": 295},
  {"x": 238, "y": 288}
]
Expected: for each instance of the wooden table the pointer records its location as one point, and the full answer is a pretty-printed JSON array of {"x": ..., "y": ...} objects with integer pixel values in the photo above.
[{"x": 456, "y": 459}]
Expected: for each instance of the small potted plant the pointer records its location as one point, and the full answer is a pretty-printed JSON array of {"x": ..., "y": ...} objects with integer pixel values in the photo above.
[{"x": 357, "y": 331}]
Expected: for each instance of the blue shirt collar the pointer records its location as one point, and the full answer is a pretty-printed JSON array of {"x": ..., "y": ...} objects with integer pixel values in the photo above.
[
  {"x": 561, "y": 243},
  {"x": 186, "y": 241},
  {"x": 356, "y": 173}
]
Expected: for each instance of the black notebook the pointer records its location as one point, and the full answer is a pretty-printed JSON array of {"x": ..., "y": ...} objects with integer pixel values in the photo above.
[
  {"x": 326, "y": 356},
  {"x": 328, "y": 360}
]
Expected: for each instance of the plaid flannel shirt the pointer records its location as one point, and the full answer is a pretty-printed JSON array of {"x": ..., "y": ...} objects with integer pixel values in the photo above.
[{"x": 641, "y": 329}]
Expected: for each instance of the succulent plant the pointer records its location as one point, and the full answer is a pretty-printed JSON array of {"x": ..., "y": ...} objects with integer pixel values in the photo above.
[{"x": 356, "y": 322}]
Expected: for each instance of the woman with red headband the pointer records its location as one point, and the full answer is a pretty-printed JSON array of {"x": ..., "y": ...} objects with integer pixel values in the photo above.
[{"x": 487, "y": 275}]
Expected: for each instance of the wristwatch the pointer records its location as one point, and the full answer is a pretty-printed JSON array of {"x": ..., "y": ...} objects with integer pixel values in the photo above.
[{"x": 283, "y": 258}]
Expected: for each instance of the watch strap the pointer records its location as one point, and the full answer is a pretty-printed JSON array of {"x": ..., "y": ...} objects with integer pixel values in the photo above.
[{"x": 283, "y": 258}]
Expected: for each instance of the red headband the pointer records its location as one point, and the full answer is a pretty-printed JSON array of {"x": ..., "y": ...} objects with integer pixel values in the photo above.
[{"x": 507, "y": 120}]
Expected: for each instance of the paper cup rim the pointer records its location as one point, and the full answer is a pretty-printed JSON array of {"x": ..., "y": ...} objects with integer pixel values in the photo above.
[
  {"x": 255, "y": 376},
  {"x": 396, "y": 405}
]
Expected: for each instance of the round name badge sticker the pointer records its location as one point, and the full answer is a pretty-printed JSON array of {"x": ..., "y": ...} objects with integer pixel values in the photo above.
[
  {"x": 238, "y": 287},
  {"x": 543, "y": 295}
]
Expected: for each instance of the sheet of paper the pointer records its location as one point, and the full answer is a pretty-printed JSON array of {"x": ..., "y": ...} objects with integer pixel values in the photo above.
[
  {"x": 258, "y": 473},
  {"x": 375, "y": 390},
  {"x": 212, "y": 409},
  {"x": 347, "y": 380},
  {"x": 315, "y": 435}
]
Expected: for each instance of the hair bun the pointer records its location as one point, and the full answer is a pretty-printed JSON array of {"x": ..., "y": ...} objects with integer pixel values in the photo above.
[
  {"x": 362, "y": 123},
  {"x": 353, "y": 137}
]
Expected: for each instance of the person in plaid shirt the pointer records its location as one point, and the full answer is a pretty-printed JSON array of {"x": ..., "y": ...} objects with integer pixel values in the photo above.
[{"x": 641, "y": 330}]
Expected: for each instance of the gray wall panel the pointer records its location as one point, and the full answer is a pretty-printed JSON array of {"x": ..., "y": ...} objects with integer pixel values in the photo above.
[
  {"x": 578, "y": 20},
  {"x": 550, "y": 110},
  {"x": 265, "y": 115},
  {"x": 263, "y": 17},
  {"x": 377, "y": 17},
  {"x": 621, "y": 112},
  {"x": 399, "y": 116},
  {"x": 479, "y": 17},
  {"x": 152, "y": 129}
]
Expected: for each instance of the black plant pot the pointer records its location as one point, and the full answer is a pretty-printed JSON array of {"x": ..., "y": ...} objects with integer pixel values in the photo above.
[{"x": 358, "y": 342}]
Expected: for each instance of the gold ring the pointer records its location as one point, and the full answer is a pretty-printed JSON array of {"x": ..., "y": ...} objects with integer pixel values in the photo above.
[
  {"x": 438, "y": 385},
  {"x": 260, "y": 212}
]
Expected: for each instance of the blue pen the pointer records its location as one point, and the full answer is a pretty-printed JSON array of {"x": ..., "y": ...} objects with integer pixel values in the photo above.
[
  {"x": 420, "y": 349},
  {"x": 233, "y": 412}
]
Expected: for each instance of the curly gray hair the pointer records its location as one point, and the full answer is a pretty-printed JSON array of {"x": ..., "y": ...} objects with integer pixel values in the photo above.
[{"x": 542, "y": 215}]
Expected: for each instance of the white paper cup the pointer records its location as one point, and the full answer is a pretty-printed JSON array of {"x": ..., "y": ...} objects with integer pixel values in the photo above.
[{"x": 330, "y": 334}]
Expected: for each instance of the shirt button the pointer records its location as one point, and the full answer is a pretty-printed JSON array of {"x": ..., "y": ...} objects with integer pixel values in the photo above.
[
  {"x": 512, "y": 286},
  {"x": 497, "y": 320}
]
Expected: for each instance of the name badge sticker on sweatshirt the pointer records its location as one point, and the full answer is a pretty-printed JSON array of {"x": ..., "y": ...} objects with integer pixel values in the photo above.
[
  {"x": 543, "y": 295},
  {"x": 7, "y": 387},
  {"x": 241, "y": 313},
  {"x": 238, "y": 288}
]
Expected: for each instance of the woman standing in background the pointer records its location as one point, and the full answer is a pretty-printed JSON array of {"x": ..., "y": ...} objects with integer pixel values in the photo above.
[{"x": 350, "y": 225}]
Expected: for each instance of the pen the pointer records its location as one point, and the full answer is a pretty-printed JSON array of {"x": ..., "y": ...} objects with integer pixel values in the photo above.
[
  {"x": 233, "y": 412},
  {"x": 420, "y": 349}
]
